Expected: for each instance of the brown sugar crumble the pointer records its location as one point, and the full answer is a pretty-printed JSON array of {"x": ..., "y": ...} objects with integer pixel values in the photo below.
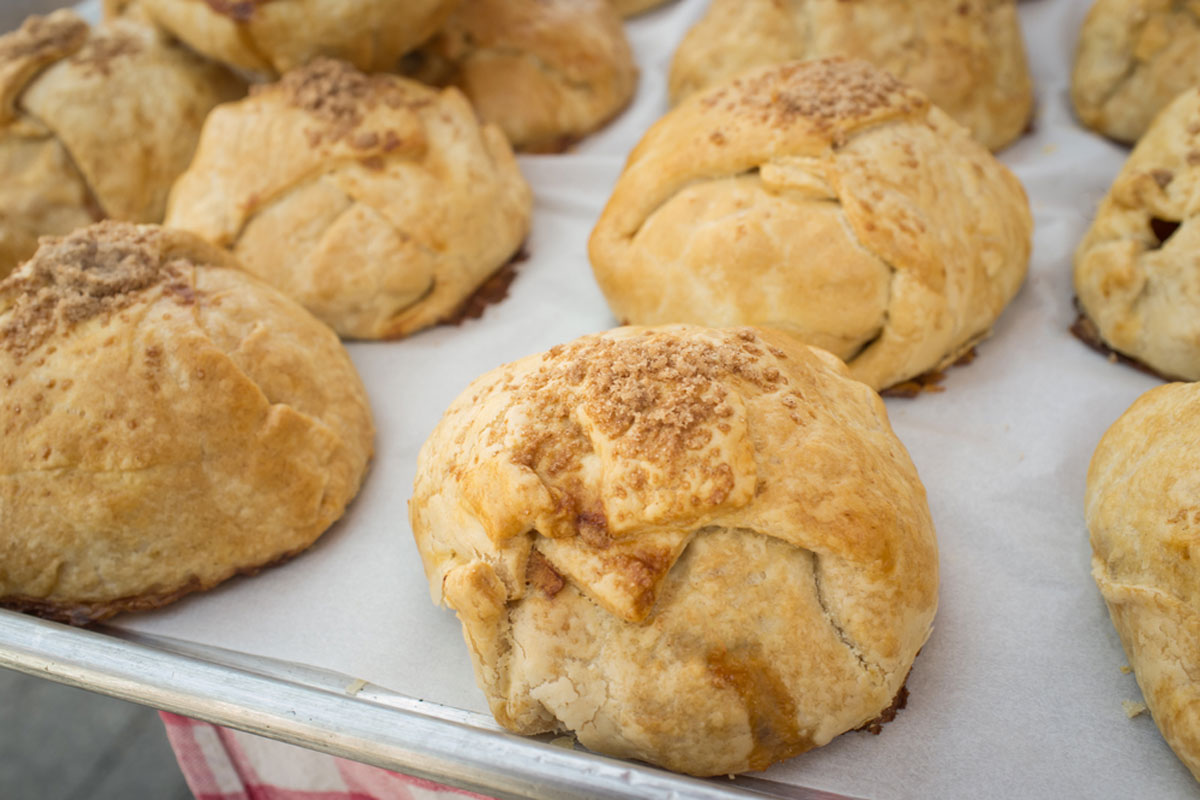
[
  {"x": 823, "y": 92},
  {"x": 337, "y": 95},
  {"x": 658, "y": 396},
  {"x": 94, "y": 271},
  {"x": 98, "y": 55}
]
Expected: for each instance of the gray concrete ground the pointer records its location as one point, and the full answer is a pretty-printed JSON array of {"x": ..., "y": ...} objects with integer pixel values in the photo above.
[{"x": 60, "y": 743}]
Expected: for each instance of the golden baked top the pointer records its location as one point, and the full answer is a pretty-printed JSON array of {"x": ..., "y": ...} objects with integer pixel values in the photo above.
[
  {"x": 574, "y": 508},
  {"x": 378, "y": 203},
  {"x": 967, "y": 56}
]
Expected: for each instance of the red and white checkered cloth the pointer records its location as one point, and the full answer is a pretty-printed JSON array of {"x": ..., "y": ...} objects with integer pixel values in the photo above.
[{"x": 224, "y": 764}]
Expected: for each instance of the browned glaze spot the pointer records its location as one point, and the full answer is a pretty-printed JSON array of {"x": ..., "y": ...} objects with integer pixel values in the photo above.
[{"x": 768, "y": 704}]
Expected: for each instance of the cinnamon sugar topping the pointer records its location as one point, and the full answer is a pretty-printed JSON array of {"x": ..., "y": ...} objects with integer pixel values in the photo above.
[
  {"x": 337, "y": 94},
  {"x": 658, "y": 396},
  {"x": 94, "y": 271},
  {"x": 822, "y": 92}
]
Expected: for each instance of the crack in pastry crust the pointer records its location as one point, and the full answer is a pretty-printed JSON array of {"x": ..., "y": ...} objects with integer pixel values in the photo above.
[{"x": 689, "y": 504}]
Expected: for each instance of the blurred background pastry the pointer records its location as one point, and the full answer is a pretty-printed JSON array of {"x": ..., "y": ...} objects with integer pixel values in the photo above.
[
  {"x": 1137, "y": 270},
  {"x": 826, "y": 199},
  {"x": 968, "y": 56},
  {"x": 94, "y": 124},
  {"x": 700, "y": 548},
  {"x": 239, "y": 433},
  {"x": 1132, "y": 59},
  {"x": 547, "y": 72},
  {"x": 273, "y": 36},
  {"x": 378, "y": 203}
]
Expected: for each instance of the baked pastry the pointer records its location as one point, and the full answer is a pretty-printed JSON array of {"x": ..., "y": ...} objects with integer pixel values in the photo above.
[
  {"x": 628, "y": 8},
  {"x": 1137, "y": 273},
  {"x": 968, "y": 56},
  {"x": 378, "y": 203},
  {"x": 94, "y": 124},
  {"x": 700, "y": 548},
  {"x": 548, "y": 72},
  {"x": 824, "y": 198},
  {"x": 273, "y": 36},
  {"x": 1142, "y": 514},
  {"x": 1132, "y": 59},
  {"x": 238, "y": 433}
]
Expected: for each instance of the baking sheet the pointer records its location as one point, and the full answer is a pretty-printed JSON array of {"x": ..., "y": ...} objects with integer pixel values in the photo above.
[{"x": 1019, "y": 690}]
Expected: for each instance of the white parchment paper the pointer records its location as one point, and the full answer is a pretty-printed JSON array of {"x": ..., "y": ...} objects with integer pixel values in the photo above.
[{"x": 1017, "y": 694}]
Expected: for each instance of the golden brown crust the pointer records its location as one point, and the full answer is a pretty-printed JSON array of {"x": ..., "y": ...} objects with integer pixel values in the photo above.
[
  {"x": 1137, "y": 277},
  {"x": 377, "y": 203},
  {"x": 689, "y": 504},
  {"x": 969, "y": 57},
  {"x": 276, "y": 36},
  {"x": 547, "y": 72},
  {"x": 94, "y": 124},
  {"x": 1143, "y": 516},
  {"x": 239, "y": 434},
  {"x": 816, "y": 197},
  {"x": 1133, "y": 58}
]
